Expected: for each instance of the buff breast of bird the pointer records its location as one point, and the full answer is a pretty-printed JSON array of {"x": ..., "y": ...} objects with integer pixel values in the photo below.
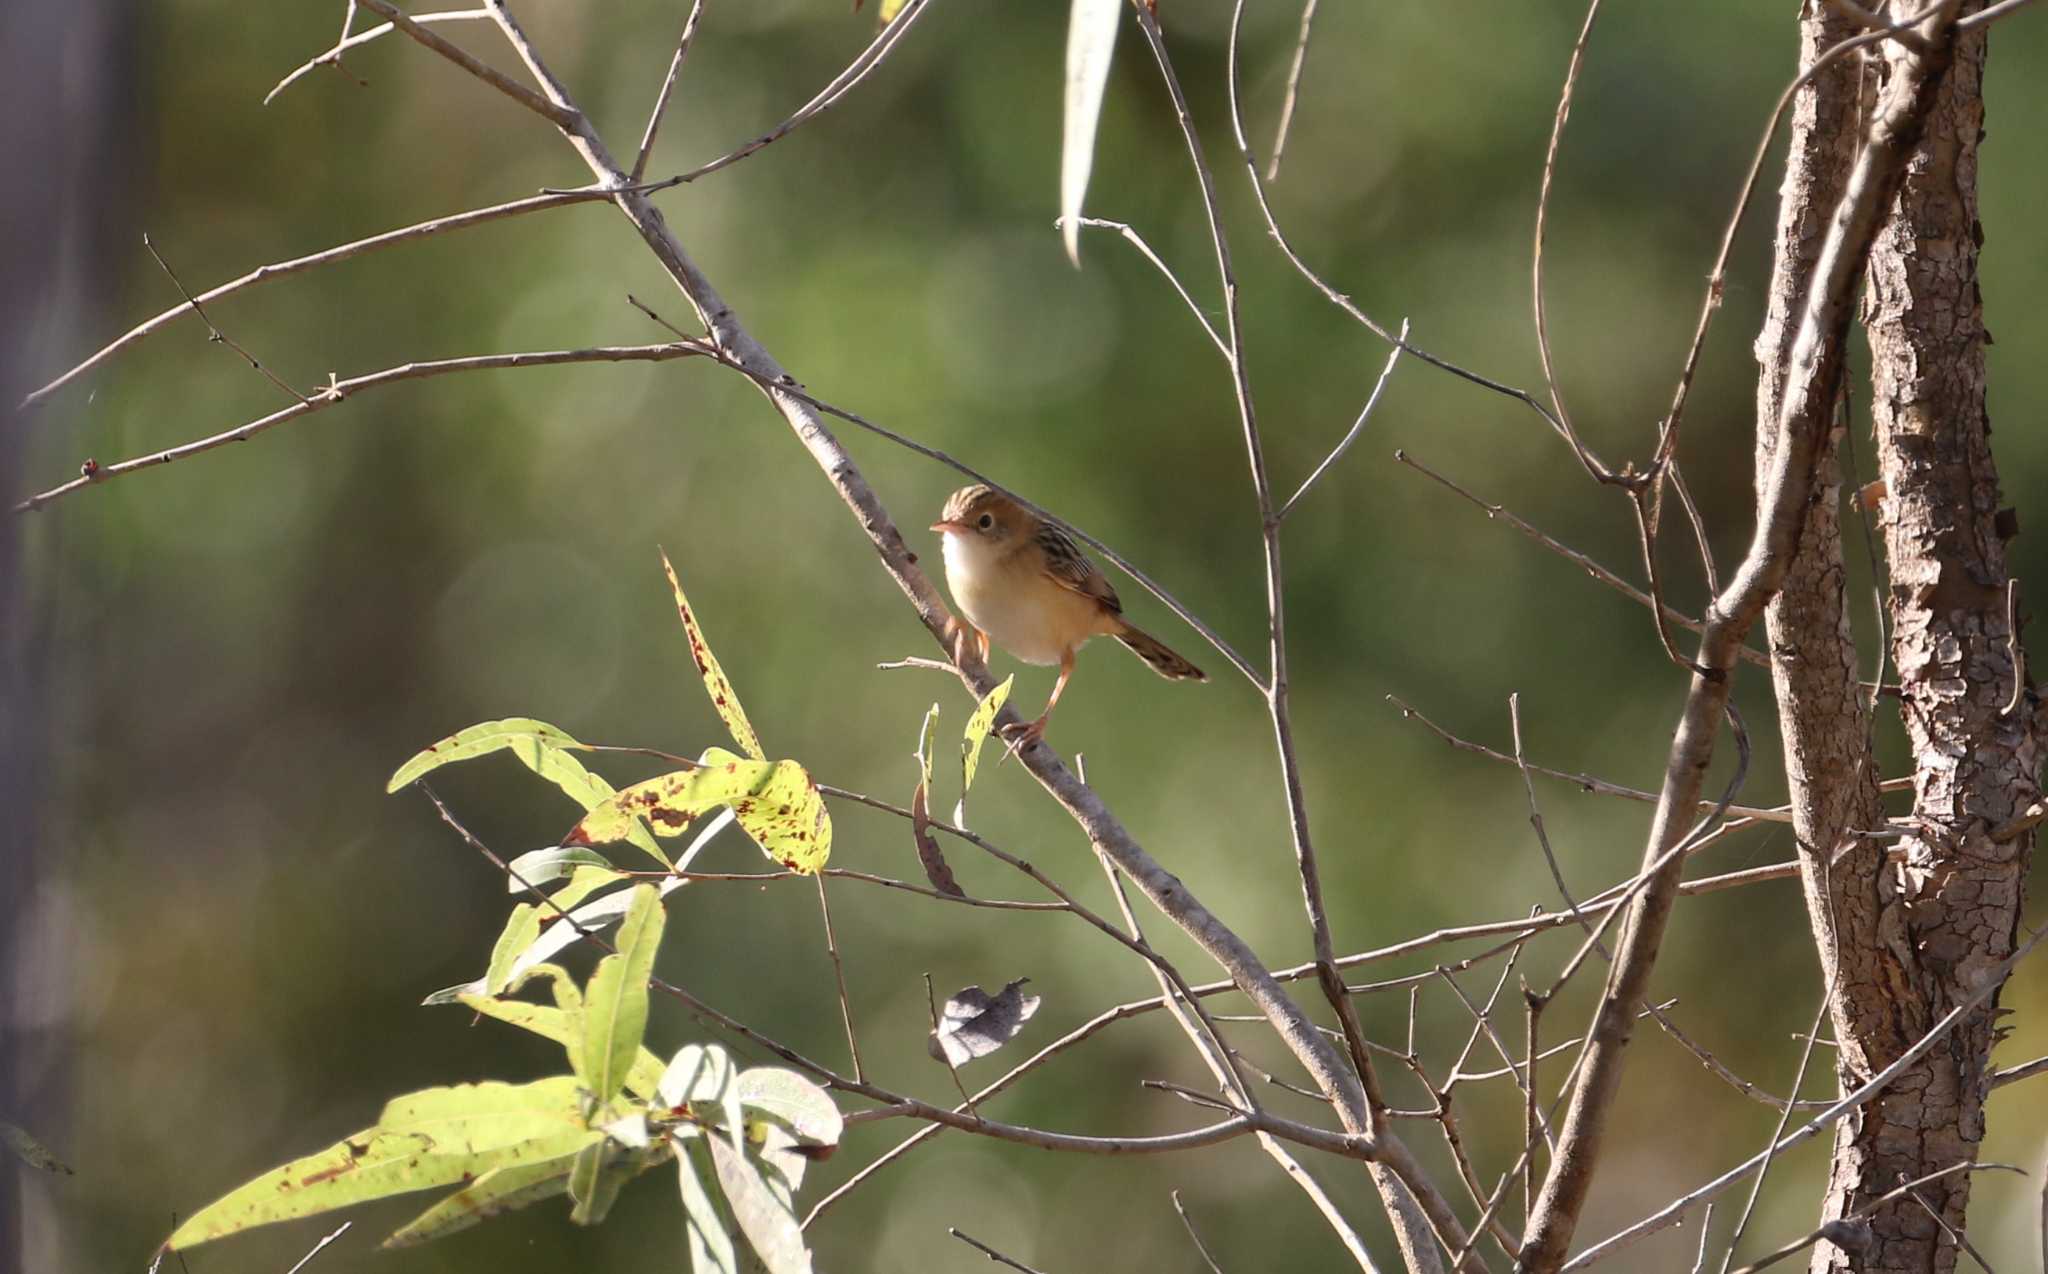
[{"x": 1023, "y": 583}]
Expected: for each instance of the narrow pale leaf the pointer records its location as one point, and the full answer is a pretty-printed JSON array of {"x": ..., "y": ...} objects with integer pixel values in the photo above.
[
  {"x": 715, "y": 683},
  {"x": 1091, "y": 40},
  {"x": 521, "y": 928},
  {"x": 768, "y": 1222},
  {"x": 426, "y": 1139},
  {"x": 509, "y": 956},
  {"x": 697, "y": 1073},
  {"x": 710, "y": 1235},
  {"x": 978, "y": 726},
  {"x": 599, "y": 1172},
  {"x": 615, "y": 1002},
  {"x": 545, "y": 866}
]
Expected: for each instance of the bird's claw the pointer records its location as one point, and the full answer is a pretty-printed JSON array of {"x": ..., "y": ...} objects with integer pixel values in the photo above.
[{"x": 1020, "y": 736}]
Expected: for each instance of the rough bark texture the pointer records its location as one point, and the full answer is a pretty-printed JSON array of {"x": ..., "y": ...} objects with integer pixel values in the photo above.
[
  {"x": 1823, "y": 717},
  {"x": 1950, "y": 911}
]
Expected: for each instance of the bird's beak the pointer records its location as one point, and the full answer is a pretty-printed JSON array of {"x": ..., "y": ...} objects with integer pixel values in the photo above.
[{"x": 945, "y": 524}]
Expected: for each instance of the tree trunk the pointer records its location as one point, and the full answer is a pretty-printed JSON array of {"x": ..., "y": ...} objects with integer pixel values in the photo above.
[{"x": 1949, "y": 913}]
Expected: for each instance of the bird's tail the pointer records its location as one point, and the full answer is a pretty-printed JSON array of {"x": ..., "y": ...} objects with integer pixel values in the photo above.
[{"x": 1158, "y": 654}]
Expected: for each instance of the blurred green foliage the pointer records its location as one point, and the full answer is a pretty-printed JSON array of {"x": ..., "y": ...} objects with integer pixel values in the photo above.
[{"x": 242, "y": 647}]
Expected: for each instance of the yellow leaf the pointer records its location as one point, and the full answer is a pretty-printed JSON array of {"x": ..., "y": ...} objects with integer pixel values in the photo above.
[
  {"x": 978, "y": 727},
  {"x": 785, "y": 815},
  {"x": 715, "y": 684}
]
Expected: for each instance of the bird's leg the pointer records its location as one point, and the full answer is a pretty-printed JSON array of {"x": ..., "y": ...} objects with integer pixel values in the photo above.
[
  {"x": 960, "y": 633},
  {"x": 1023, "y": 736}
]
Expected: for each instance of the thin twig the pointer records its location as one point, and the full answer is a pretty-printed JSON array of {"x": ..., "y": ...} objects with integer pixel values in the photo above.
[
  {"x": 1564, "y": 110},
  {"x": 1351, "y": 435},
  {"x": 560, "y": 116},
  {"x": 839, "y": 977},
  {"x": 338, "y": 390},
  {"x": 1137, "y": 241},
  {"x": 931, "y": 1000},
  {"x": 1308, "y": 18},
  {"x": 988, "y": 1251},
  {"x": 327, "y": 256},
  {"x": 333, "y": 56},
  {"x": 319, "y": 1247},
  {"x": 216, "y": 335},
  {"x": 1200, "y": 1246},
  {"x": 1835, "y": 1228},
  {"x": 842, "y": 84},
  {"x": 668, "y": 87}
]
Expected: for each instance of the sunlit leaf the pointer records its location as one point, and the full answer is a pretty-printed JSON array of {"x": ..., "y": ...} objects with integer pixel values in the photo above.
[
  {"x": 786, "y": 815},
  {"x": 793, "y": 1101},
  {"x": 536, "y": 743},
  {"x": 889, "y": 9},
  {"x": 600, "y": 1171},
  {"x": 436, "y": 1137},
  {"x": 496, "y": 1192},
  {"x": 709, "y": 1232},
  {"x": 510, "y": 954},
  {"x": 521, "y": 928},
  {"x": 715, "y": 683},
  {"x": 615, "y": 1001},
  {"x": 974, "y": 1023},
  {"x": 672, "y": 802},
  {"x": 564, "y": 1027},
  {"x": 767, "y": 1220},
  {"x": 1091, "y": 40},
  {"x": 703, "y": 1075},
  {"x": 30, "y": 1151},
  {"x": 976, "y": 734},
  {"x": 541, "y": 748},
  {"x": 544, "y": 866}
]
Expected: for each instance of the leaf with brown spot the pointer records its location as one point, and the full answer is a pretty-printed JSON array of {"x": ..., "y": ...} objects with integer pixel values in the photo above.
[
  {"x": 715, "y": 683},
  {"x": 785, "y": 814}
]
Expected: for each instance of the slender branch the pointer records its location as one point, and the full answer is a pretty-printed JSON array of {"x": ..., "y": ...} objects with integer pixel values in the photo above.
[
  {"x": 1137, "y": 241},
  {"x": 1564, "y": 111},
  {"x": 341, "y": 252},
  {"x": 845, "y": 82},
  {"x": 1500, "y": 513},
  {"x": 332, "y": 57},
  {"x": 839, "y": 977},
  {"x": 1308, "y": 19},
  {"x": 668, "y": 87},
  {"x": 994, "y": 1256},
  {"x": 1841, "y": 1227},
  {"x": 336, "y": 391},
  {"x": 215, "y": 334},
  {"x": 1351, "y": 435},
  {"x": 554, "y": 112},
  {"x": 1200, "y": 1246}
]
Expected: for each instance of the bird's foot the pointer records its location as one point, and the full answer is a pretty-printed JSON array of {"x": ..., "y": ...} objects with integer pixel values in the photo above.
[{"x": 1021, "y": 736}]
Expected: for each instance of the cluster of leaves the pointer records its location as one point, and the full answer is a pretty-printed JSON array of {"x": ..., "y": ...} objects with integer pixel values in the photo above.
[{"x": 741, "y": 1139}]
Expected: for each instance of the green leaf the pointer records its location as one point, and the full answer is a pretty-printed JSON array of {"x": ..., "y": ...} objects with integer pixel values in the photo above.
[
  {"x": 563, "y": 1026},
  {"x": 1091, "y": 40},
  {"x": 496, "y": 1192},
  {"x": 768, "y": 1222},
  {"x": 786, "y": 815},
  {"x": 439, "y": 1136},
  {"x": 615, "y": 1002},
  {"x": 925, "y": 733},
  {"x": 715, "y": 684},
  {"x": 521, "y": 928},
  {"x": 542, "y": 866},
  {"x": 978, "y": 726},
  {"x": 710, "y": 1235},
  {"x": 792, "y": 1101},
  {"x": 533, "y": 742},
  {"x": 599, "y": 1172},
  {"x": 540, "y": 747}
]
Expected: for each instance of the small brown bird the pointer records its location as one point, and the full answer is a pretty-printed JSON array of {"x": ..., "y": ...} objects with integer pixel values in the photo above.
[{"x": 1024, "y": 582}]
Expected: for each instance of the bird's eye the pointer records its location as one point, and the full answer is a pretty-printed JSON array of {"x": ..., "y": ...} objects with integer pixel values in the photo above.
[{"x": 988, "y": 521}]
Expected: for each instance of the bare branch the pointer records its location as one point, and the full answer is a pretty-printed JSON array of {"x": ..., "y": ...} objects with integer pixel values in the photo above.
[
  {"x": 1564, "y": 111},
  {"x": 332, "y": 57},
  {"x": 553, "y": 112},
  {"x": 1308, "y": 18},
  {"x": 338, "y": 390},
  {"x": 1200, "y": 1246},
  {"x": 1835, "y": 1230},
  {"x": 1137, "y": 241},
  {"x": 839, "y": 977},
  {"x": 1587, "y": 564},
  {"x": 216, "y": 334},
  {"x": 668, "y": 86},
  {"x": 1351, "y": 435},
  {"x": 993, "y": 1255}
]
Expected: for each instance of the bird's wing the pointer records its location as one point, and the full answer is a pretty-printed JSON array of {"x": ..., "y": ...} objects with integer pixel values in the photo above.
[{"x": 1070, "y": 568}]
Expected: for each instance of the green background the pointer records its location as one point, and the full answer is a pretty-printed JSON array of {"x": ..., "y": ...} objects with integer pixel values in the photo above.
[{"x": 240, "y": 648}]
